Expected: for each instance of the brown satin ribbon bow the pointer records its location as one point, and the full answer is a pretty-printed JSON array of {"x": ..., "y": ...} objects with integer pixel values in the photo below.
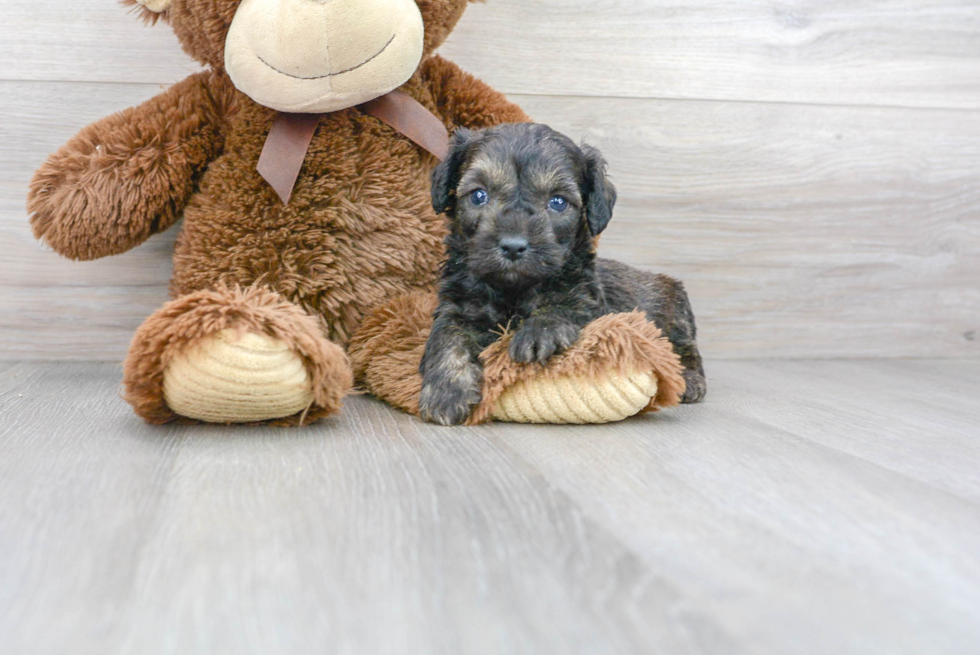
[{"x": 289, "y": 139}]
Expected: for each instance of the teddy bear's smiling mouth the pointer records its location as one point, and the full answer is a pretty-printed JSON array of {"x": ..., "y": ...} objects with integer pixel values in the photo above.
[{"x": 320, "y": 77}]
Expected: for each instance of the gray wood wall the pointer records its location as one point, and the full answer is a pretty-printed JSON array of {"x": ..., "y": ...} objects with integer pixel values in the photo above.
[{"x": 811, "y": 170}]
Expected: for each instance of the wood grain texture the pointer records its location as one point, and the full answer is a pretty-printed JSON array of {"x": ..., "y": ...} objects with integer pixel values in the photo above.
[
  {"x": 854, "y": 52},
  {"x": 800, "y": 231},
  {"x": 58, "y": 323},
  {"x": 79, "y": 498},
  {"x": 852, "y": 406},
  {"x": 924, "y": 53},
  {"x": 764, "y": 521},
  {"x": 87, "y": 41}
]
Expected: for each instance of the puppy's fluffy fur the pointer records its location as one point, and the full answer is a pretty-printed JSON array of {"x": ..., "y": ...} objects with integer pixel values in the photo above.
[{"x": 524, "y": 205}]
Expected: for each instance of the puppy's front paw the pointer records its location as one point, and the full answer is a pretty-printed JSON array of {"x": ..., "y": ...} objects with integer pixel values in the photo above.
[
  {"x": 449, "y": 400},
  {"x": 696, "y": 386},
  {"x": 539, "y": 338}
]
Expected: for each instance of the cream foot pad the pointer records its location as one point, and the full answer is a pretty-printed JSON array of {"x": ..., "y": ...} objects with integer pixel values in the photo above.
[
  {"x": 576, "y": 399},
  {"x": 232, "y": 378}
]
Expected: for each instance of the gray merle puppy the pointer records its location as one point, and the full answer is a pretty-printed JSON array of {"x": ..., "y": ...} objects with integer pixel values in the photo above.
[{"x": 524, "y": 205}]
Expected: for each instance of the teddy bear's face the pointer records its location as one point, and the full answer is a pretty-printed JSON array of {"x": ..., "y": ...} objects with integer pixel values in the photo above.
[{"x": 311, "y": 55}]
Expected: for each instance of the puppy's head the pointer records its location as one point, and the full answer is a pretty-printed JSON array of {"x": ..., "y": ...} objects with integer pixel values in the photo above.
[{"x": 522, "y": 200}]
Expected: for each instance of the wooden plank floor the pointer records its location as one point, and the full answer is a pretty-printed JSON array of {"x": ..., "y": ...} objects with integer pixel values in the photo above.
[{"x": 805, "y": 507}]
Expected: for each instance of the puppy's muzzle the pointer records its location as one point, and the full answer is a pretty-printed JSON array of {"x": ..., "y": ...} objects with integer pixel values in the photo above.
[{"x": 513, "y": 248}]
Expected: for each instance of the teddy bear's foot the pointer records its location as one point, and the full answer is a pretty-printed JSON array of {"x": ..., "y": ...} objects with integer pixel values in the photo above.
[
  {"x": 237, "y": 378},
  {"x": 605, "y": 397},
  {"x": 621, "y": 365},
  {"x": 234, "y": 356}
]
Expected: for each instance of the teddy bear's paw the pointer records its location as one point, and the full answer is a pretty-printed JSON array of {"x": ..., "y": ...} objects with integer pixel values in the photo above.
[
  {"x": 237, "y": 377},
  {"x": 576, "y": 399},
  {"x": 234, "y": 355}
]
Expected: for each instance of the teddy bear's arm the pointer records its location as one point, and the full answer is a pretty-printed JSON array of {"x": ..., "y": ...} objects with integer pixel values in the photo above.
[
  {"x": 466, "y": 101},
  {"x": 129, "y": 175}
]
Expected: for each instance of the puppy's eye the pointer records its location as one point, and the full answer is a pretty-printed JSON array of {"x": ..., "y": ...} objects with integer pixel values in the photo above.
[
  {"x": 479, "y": 197},
  {"x": 558, "y": 204}
]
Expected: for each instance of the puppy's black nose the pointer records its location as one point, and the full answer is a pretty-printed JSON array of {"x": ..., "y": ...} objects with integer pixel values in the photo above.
[{"x": 513, "y": 247}]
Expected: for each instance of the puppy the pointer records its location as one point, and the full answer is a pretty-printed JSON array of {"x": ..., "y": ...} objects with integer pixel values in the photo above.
[{"x": 525, "y": 205}]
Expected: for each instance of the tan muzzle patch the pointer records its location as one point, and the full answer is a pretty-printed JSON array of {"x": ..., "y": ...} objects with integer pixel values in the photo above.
[{"x": 301, "y": 56}]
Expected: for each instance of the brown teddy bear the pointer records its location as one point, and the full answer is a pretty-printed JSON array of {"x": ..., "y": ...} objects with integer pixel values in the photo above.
[{"x": 300, "y": 162}]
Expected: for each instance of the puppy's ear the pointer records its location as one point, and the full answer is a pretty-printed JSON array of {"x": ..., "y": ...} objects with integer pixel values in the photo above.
[
  {"x": 599, "y": 193},
  {"x": 445, "y": 176}
]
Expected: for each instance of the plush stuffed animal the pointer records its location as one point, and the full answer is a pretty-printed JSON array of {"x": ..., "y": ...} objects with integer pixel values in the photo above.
[{"x": 299, "y": 160}]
